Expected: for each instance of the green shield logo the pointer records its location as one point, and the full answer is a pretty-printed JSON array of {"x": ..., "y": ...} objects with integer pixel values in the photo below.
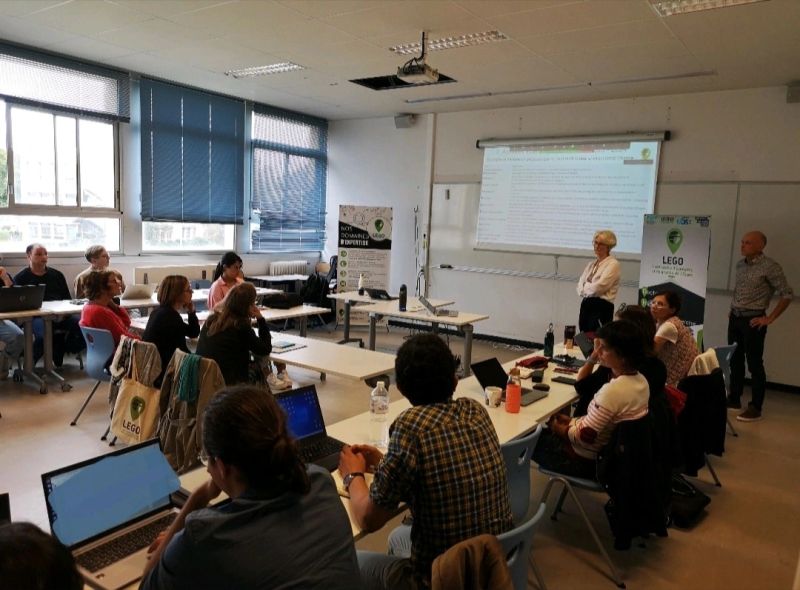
[
  {"x": 674, "y": 239},
  {"x": 137, "y": 407},
  {"x": 379, "y": 225}
]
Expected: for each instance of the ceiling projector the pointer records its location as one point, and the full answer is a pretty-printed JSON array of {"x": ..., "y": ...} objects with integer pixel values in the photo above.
[{"x": 417, "y": 73}]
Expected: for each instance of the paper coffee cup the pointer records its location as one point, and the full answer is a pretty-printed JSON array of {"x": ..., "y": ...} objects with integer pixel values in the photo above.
[{"x": 493, "y": 395}]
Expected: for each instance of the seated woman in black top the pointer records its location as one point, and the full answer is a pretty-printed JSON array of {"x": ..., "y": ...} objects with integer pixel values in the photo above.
[
  {"x": 228, "y": 338},
  {"x": 165, "y": 326}
]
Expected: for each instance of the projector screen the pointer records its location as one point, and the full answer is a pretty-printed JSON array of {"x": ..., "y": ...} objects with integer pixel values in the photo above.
[{"x": 551, "y": 197}]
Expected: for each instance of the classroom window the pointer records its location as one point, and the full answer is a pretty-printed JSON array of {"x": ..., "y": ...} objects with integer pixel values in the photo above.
[
  {"x": 289, "y": 170},
  {"x": 58, "y": 159},
  {"x": 161, "y": 236}
]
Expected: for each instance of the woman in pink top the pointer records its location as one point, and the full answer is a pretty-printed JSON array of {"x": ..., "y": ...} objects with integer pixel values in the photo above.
[
  {"x": 101, "y": 286},
  {"x": 227, "y": 274}
]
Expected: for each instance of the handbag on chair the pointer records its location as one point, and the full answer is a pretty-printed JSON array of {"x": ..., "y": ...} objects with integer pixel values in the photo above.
[{"x": 136, "y": 410}]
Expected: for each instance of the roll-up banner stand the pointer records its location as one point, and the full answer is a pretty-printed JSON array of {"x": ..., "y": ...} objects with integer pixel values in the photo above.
[
  {"x": 365, "y": 249},
  {"x": 675, "y": 251}
]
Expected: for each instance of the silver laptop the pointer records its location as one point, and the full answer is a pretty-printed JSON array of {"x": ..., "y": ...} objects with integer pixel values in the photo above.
[
  {"x": 437, "y": 310},
  {"x": 138, "y": 291},
  {"x": 21, "y": 298},
  {"x": 109, "y": 509}
]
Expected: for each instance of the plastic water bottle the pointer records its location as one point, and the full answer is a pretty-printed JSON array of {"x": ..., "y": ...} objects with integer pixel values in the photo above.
[
  {"x": 403, "y": 299},
  {"x": 361, "y": 284},
  {"x": 379, "y": 414}
]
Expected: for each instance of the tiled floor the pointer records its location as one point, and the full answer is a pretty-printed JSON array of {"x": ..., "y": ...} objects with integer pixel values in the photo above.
[{"x": 749, "y": 538}]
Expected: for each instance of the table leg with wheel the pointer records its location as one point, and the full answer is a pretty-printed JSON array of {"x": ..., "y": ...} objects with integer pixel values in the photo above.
[
  {"x": 27, "y": 365},
  {"x": 303, "y": 326},
  {"x": 373, "y": 322},
  {"x": 467, "y": 359}
]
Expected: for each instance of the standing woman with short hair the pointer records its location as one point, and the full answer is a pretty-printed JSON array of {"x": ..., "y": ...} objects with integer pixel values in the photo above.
[
  {"x": 165, "y": 326},
  {"x": 599, "y": 284},
  {"x": 227, "y": 275}
]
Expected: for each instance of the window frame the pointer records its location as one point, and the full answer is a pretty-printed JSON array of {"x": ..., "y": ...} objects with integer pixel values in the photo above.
[{"x": 56, "y": 210}]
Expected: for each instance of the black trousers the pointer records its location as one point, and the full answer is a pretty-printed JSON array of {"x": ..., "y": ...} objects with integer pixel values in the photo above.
[
  {"x": 750, "y": 347},
  {"x": 594, "y": 312},
  {"x": 551, "y": 453}
]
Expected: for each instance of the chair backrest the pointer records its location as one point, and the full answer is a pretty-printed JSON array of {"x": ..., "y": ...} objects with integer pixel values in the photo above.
[
  {"x": 724, "y": 354},
  {"x": 99, "y": 349},
  {"x": 517, "y": 456},
  {"x": 517, "y": 544}
]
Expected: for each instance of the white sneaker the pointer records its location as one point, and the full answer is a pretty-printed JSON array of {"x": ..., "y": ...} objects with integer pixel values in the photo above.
[
  {"x": 284, "y": 376},
  {"x": 276, "y": 384}
]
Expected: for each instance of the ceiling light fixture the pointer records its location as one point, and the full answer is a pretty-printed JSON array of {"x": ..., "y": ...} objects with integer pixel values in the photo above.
[
  {"x": 280, "y": 68},
  {"x": 450, "y": 42},
  {"x": 671, "y": 7}
]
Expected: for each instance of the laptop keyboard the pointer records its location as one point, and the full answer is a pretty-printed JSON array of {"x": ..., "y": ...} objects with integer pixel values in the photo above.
[
  {"x": 125, "y": 545},
  {"x": 320, "y": 449}
]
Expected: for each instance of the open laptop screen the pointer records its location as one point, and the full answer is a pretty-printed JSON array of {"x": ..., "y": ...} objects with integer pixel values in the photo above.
[
  {"x": 96, "y": 496},
  {"x": 302, "y": 411}
]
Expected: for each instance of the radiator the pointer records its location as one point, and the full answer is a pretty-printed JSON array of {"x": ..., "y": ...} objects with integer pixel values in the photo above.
[
  {"x": 288, "y": 267},
  {"x": 145, "y": 275}
]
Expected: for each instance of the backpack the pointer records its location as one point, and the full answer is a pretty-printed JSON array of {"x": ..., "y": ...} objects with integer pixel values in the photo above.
[
  {"x": 313, "y": 291},
  {"x": 282, "y": 300}
]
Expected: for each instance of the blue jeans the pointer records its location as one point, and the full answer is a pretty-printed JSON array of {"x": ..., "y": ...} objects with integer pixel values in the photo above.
[
  {"x": 13, "y": 337},
  {"x": 380, "y": 571}
]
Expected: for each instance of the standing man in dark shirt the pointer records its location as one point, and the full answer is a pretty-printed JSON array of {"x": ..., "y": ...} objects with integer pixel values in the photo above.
[
  {"x": 66, "y": 332},
  {"x": 758, "y": 278},
  {"x": 443, "y": 460}
]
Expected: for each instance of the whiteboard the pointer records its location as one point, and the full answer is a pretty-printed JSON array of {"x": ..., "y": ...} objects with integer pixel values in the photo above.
[{"x": 734, "y": 207}]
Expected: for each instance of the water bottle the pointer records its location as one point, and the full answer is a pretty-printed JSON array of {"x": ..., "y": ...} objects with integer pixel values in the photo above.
[
  {"x": 378, "y": 414},
  {"x": 549, "y": 342},
  {"x": 513, "y": 392},
  {"x": 403, "y": 298},
  {"x": 361, "y": 284}
]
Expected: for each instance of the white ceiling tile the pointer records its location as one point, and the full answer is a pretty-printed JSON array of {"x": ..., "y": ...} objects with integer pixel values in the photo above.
[
  {"x": 216, "y": 55},
  {"x": 86, "y": 17},
  {"x": 323, "y": 8},
  {"x": 88, "y": 48},
  {"x": 33, "y": 34},
  {"x": 152, "y": 35},
  {"x": 22, "y": 7},
  {"x": 353, "y": 53},
  {"x": 500, "y": 7},
  {"x": 386, "y": 18},
  {"x": 461, "y": 26},
  {"x": 523, "y": 74},
  {"x": 632, "y": 33},
  {"x": 166, "y": 8}
]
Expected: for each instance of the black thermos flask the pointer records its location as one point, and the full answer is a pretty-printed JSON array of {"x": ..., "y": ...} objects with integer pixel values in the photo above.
[{"x": 403, "y": 298}]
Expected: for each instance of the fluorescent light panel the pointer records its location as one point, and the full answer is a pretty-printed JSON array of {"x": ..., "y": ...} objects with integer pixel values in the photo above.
[
  {"x": 450, "y": 42},
  {"x": 280, "y": 68},
  {"x": 670, "y": 7}
]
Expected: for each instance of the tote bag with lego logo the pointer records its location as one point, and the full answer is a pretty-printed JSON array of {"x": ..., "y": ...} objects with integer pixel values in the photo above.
[{"x": 136, "y": 411}]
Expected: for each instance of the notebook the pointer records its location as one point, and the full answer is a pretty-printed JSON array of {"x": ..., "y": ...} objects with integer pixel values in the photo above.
[
  {"x": 381, "y": 294},
  {"x": 491, "y": 372},
  {"x": 307, "y": 426},
  {"x": 109, "y": 509},
  {"x": 437, "y": 310},
  {"x": 138, "y": 291},
  {"x": 22, "y": 298}
]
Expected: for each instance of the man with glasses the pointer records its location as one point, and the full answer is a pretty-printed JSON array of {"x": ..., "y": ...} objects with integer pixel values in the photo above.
[{"x": 758, "y": 278}]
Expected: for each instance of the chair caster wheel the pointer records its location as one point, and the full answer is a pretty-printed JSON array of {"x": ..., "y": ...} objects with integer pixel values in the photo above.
[
  {"x": 43, "y": 389},
  {"x": 17, "y": 377},
  {"x": 66, "y": 387}
]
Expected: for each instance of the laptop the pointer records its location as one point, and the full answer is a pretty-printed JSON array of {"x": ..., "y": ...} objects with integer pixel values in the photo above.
[
  {"x": 437, "y": 310},
  {"x": 307, "y": 426},
  {"x": 109, "y": 509},
  {"x": 491, "y": 372},
  {"x": 381, "y": 294},
  {"x": 22, "y": 298},
  {"x": 585, "y": 343},
  {"x": 138, "y": 291}
]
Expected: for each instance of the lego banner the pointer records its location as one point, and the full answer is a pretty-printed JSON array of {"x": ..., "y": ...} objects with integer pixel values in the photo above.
[{"x": 675, "y": 251}]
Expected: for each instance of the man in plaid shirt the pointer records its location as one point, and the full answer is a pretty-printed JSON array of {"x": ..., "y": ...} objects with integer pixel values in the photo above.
[{"x": 443, "y": 460}]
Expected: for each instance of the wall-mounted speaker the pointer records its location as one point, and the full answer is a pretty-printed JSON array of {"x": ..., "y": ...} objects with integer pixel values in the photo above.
[
  {"x": 404, "y": 121},
  {"x": 792, "y": 92}
]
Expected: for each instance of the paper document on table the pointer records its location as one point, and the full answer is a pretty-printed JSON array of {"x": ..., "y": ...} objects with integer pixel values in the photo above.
[{"x": 284, "y": 346}]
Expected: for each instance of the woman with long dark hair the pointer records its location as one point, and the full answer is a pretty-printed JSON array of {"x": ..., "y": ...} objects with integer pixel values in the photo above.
[
  {"x": 227, "y": 275},
  {"x": 285, "y": 525}
]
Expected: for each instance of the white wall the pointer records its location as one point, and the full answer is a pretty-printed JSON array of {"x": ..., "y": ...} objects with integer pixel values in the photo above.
[
  {"x": 372, "y": 163},
  {"x": 745, "y": 135}
]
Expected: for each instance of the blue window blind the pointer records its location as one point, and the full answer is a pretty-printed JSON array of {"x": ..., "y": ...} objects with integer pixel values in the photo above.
[
  {"x": 290, "y": 158},
  {"x": 192, "y": 155}
]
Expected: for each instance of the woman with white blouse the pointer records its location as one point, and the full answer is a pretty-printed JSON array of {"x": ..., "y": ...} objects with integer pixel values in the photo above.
[{"x": 599, "y": 284}]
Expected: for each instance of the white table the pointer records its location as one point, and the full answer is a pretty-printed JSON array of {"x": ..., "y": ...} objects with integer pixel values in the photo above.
[
  {"x": 415, "y": 312},
  {"x": 350, "y": 297},
  {"x": 328, "y": 357},
  {"x": 198, "y": 296}
]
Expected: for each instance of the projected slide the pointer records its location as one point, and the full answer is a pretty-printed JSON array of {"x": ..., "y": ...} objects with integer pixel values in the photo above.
[{"x": 552, "y": 198}]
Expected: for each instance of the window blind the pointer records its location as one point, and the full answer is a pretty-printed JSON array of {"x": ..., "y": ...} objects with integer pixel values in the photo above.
[
  {"x": 290, "y": 157},
  {"x": 39, "y": 79},
  {"x": 192, "y": 155}
]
